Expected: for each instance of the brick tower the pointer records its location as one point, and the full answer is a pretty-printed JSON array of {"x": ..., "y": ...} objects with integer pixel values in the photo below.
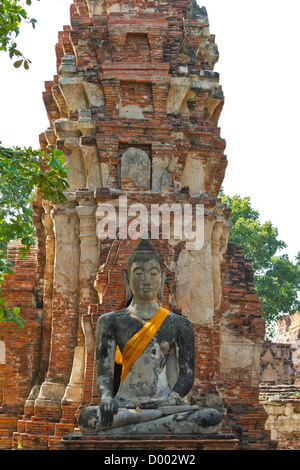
[{"x": 134, "y": 107}]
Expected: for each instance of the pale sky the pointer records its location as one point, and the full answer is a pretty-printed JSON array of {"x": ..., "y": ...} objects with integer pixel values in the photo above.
[{"x": 259, "y": 69}]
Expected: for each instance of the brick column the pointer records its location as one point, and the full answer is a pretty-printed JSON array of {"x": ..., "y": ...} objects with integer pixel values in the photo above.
[
  {"x": 47, "y": 309},
  {"x": 88, "y": 249},
  {"x": 87, "y": 293},
  {"x": 64, "y": 311}
]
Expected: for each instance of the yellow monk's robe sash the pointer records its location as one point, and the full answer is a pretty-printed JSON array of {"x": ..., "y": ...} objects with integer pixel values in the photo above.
[{"x": 138, "y": 343}]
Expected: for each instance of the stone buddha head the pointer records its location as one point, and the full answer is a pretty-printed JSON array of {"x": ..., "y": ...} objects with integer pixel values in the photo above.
[{"x": 144, "y": 275}]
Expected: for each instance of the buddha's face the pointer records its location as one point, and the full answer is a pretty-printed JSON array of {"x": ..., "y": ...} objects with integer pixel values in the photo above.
[{"x": 145, "y": 279}]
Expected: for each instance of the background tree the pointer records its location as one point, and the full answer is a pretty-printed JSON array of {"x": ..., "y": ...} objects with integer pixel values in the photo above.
[
  {"x": 276, "y": 277},
  {"x": 12, "y": 15},
  {"x": 21, "y": 174},
  {"x": 22, "y": 171}
]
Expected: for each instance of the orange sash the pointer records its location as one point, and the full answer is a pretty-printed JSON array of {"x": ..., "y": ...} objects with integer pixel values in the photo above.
[{"x": 138, "y": 343}]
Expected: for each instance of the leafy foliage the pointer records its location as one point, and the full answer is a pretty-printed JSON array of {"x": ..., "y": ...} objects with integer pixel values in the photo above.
[
  {"x": 276, "y": 278},
  {"x": 21, "y": 174},
  {"x": 12, "y": 14},
  {"x": 22, "y": 171}
]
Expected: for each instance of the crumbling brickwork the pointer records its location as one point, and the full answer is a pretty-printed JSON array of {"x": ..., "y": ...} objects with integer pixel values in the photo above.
[
  {"x": 20, "y": 367},
  {"x": 134, "y": 107},
  {"x": 279, "y": 389},
  {"x": 277, "y": 364},
  {"x": 288, "y": 333},
  {"x": 282, "y": 404},
  {"x": 242, "y": 332}
]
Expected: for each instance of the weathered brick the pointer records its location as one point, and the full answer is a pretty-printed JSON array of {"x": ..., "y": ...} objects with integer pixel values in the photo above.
[{"x": 138, "y": 76}]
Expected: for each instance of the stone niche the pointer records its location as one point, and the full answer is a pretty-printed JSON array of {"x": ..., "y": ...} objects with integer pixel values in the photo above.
[
  {"x": 137, "y": 47},
  {"x": 136, "y": 101},
  {"x": 135, "y": 169}
]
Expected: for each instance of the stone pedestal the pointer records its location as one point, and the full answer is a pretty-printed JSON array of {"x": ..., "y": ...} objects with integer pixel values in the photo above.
[{"x": 150, "y": 443}]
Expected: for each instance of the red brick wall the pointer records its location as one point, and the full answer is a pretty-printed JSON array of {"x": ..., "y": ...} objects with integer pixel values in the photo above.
[
  {"x": 277, "y": 366},
  {"x": 241, "y": 310},
  {"x": 22, "y": 346},
  {"x": 103, "y": 47}
]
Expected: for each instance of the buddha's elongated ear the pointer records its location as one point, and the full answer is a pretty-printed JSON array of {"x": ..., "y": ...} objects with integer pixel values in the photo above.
[
  {"x": 126, "y": 281},
  {"x": 163, "y": 280}
]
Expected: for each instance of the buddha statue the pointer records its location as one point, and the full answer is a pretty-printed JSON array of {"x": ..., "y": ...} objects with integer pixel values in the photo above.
[{"x": 156, "y": 350}]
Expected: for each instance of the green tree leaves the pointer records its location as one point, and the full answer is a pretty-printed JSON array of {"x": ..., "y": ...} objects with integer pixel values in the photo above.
[
  {"x": 276, "y": 278},
  {"x": 278, "y": 288},
  {"x": 12, "y": 15},
  {"x": 22, "y": 171},
  {"x": 259, "y": 241}
]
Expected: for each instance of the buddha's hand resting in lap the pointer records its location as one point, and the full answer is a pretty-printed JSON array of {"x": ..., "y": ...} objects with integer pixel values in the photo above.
[
  {"x": 172, "y": 400},
  {"x": 108, "y": 408}
]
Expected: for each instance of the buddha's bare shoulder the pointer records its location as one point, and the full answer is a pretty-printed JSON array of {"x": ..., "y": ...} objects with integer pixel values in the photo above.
[
  {"x": 117, "y": 315},
  {"x": 179, "y": 322},
  {"x": 113, "y": 316}
]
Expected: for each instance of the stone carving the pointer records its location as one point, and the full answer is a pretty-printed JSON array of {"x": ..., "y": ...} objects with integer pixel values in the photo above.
[
  {"x": 96, "y": 7},
  {"x": 158, "y": 367},
  {"x": 136, "y": 167}
]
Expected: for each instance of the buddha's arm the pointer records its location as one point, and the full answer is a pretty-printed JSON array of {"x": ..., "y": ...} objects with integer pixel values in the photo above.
[
  {"x": 186, "y": 359},
  {"x": 105, "y": 355}
]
